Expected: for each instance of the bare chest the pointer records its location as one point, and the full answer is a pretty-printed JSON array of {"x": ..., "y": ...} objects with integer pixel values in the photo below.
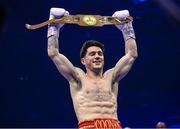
[
  {"x": 96, "y": 84},
  {"x": 98, "y": 90}
]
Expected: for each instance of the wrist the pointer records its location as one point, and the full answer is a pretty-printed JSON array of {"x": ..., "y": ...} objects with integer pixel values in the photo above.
[
  {"x": 53, "y": 30},
  {"x": 128, "y": 31}
]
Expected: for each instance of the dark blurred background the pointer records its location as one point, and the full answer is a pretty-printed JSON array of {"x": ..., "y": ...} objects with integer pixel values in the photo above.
[{"x": 34, "y": 94}]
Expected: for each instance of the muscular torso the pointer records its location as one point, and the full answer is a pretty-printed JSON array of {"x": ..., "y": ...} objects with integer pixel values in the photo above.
[{"x": 94, "y": 98}]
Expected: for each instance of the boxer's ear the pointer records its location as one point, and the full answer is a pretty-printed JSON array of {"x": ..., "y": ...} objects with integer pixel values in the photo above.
[{"x": 83, "y": 61}]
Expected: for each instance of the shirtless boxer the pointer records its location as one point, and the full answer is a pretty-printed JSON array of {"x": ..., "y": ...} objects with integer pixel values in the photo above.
[{"x": 93, "y": 92}]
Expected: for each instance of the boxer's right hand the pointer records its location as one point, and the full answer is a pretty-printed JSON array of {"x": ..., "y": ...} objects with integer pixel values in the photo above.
[{"x": 56, "y": 13}]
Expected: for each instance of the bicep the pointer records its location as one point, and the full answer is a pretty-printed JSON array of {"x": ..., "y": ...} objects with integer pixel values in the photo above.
[
  {"x": 122, "y": 67},
  {"x": 65, "y": 67}
]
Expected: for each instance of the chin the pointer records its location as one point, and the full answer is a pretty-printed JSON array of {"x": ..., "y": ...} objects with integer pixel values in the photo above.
[{"x": 98, "y": 68}]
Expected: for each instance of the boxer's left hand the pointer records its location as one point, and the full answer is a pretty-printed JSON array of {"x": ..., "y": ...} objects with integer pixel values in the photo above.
[
  {"x": 121, "y": 15},
  {"x": 127, "y": 29}
]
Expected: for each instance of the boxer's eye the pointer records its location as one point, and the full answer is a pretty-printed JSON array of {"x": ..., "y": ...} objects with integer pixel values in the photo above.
[
  {"x": 100, "y": 53},
  {"x": 92, "y": 53}
]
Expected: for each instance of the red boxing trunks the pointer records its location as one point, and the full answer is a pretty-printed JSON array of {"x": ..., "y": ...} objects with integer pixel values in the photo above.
[{"x": 100, "y": 123}]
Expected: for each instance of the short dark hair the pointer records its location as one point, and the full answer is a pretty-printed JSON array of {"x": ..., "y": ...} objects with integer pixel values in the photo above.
[{"x": 90, "y": 43}]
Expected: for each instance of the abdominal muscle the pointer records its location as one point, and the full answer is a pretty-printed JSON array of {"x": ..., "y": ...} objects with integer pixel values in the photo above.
[{"x": 95, "y": 103}]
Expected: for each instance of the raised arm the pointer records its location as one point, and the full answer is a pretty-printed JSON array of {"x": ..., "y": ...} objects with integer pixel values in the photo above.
[
  {"x": 125, "y": 63},
  {"x": 64, "y": 66}
]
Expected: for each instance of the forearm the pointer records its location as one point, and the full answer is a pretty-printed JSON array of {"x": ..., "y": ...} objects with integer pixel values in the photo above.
[
  {"x": 129, "y": 38},
  {"x": 53, "y": 46},
  {"x": 128, "y": 32},
  {"x": 131, "y": 48},
  {"x": 53, "y": 36}
]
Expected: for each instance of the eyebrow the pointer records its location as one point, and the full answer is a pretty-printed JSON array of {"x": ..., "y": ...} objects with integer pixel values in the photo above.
[{"x": 95, "y": 51}]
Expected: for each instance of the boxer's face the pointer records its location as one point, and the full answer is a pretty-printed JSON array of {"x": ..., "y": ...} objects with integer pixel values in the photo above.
[{"x": 94, "y": 58}]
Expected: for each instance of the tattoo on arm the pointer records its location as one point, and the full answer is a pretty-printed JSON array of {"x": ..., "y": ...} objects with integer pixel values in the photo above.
[{"x": 53, "y": 42}]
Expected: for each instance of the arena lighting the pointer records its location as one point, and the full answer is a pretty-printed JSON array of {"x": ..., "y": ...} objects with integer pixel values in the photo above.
[{"x": 139, "y": 1}]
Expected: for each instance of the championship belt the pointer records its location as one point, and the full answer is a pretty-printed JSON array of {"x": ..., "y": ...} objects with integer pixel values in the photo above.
[{"x": 83, "y": 20}]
